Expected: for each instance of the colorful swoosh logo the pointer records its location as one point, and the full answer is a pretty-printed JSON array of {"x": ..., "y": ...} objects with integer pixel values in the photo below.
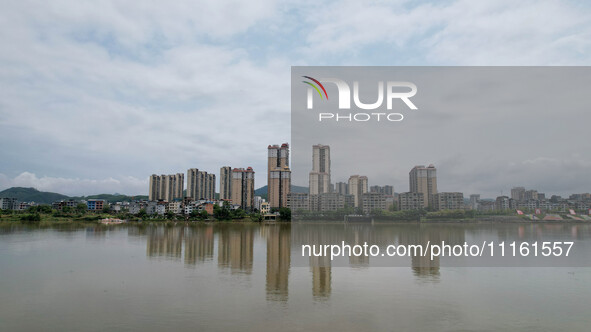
[{"x": 316, "y": 87}]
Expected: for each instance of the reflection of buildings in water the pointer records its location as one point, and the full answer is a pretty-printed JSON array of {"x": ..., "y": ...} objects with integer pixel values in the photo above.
[
  {"x": 321, "y": 276},
  {"x": 423, "y": 266},
  {"x": 358, "y": 235},
  {"x": 235, "y": 248},
  {"x": 278, "y": 261},
  {"x": 165, "y": 241},
  {"x": 137, "y": 231},
  {"x": 198, "y": 244}
]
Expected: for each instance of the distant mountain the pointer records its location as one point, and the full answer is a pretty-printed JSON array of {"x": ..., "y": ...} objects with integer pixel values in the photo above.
[
  {"x": 262, "y": 191},
  {"x": 44, "y": 197},
  {"x": 32, "y": 195},
  {"x": 112, "y": 198}
]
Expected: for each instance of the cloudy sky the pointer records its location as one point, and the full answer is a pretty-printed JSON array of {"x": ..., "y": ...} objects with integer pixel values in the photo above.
[
  {"x": 485, "y": 128},
  {"x": 98, "y": 95}
]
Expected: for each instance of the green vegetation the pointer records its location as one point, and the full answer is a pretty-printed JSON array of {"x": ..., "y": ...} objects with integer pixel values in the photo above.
[
  {"x": 284, "y": 214},
  {"x": 44, "y": 215}
]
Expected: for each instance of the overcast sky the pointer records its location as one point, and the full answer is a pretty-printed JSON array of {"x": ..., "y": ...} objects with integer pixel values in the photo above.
[
  {"x": 98, "y": 95},
  {"x": 486, "y": 129}
]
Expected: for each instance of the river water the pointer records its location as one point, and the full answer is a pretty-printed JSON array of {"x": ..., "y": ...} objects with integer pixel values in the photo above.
[{"x": 251, "y": 277}]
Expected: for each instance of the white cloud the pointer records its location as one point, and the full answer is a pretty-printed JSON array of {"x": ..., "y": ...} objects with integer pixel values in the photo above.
[
  {"x": 460, "y": 32},
  {"x": 76, "y": 186}
]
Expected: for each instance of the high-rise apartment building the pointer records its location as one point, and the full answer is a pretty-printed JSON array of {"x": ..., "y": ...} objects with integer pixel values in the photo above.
[
  {"x": 319, "y": 180},
  {"x": 226, "y": 182},
  {"x": 342, "y": 188},
  {"x": 166, "y": 187},
  {"x": 424, "y": 180},
  {"x": 243, "y": 187},
  {"x": 474, "y": 200},
  {"x": 358, "y": 187},
  {"x": 200, "y": 184},
  {"x": 531, "y": 195},
  {"x": 278, "y": 175},
  {"x": 518, "y": 194},
  {"x": 386, "y": 190}
]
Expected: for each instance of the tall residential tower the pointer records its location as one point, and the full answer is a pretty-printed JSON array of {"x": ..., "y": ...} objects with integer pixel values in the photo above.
[
  {"x": 319, "y": 181},
  {"x": 358, "y": 187},
  {"x": 166, "y": 187},
  {"x": 424, "y": 180},
  {"x": 226, "y": 182},
  {"x": 278, "y": 175},
  {"x": 243, "y": 187},
  {"x": 200, "y": 184}
]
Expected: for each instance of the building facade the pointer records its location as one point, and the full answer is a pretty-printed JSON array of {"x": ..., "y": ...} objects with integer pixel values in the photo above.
[
  {"x": 373, "y": 201},
  {"x": 8, "y": 203},
  {"x": 448, "y": 201},
  {"x": 298, "y": 202},
  {"x": 342, "y": 188},
  {"x": 357, "y": 187},
  {"x": 226, "y": 182},
  {"x": 278, "y": 175},
  {"x": 166, "y": 187},
  {"x": 423, "y": 180},
  {"x": 386, "y": 190},
  {"x": 200, "y": 184},
  {"x": 518, "y": 194},
  {"x": 319, "y": 177},
  {"x": 243, "y": 188},
  {"x": 411, "y": 201}
]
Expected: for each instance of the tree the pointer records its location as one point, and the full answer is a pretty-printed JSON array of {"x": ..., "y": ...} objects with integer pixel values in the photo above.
[
  {"x": 285, "y": 214},
  {"x": 238, "y": 214},
  {"x": 31, "y": 218},
  {"x": 222, "y": 213},
  {"x": 81, "y": 208},
  {"x": 142, "y": 214},
  {"x": 169, "y": 215},
  {"x": 393, "y": 207},
  {"x": 106, "y": 209}
]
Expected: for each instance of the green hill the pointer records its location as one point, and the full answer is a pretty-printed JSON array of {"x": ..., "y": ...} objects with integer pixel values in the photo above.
[
  {"x": 262, "y": 191},
  {"x": 112, "y": 198},
  {"x": 44, "y": 197},
  {"x": 32, "y": 195}
]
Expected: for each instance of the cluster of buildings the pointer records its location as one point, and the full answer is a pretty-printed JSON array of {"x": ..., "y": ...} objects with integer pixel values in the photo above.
[
  {"x": 8, "y": 203},
  {"x": 323, "y": 196},
  {"x": 532, "y": 200},
  {"x": 237, "y": 186}
]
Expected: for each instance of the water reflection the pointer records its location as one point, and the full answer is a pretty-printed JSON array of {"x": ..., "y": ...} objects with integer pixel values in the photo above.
[
  {"x": 235, "y": 246},
  {"x": 165, "y": 242},
  {"x": 278, "y": 261},
  {"x": 321, "y": 277},
  {"x": 199, "y": 244},
  {"x": 202, "y": 274}
]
